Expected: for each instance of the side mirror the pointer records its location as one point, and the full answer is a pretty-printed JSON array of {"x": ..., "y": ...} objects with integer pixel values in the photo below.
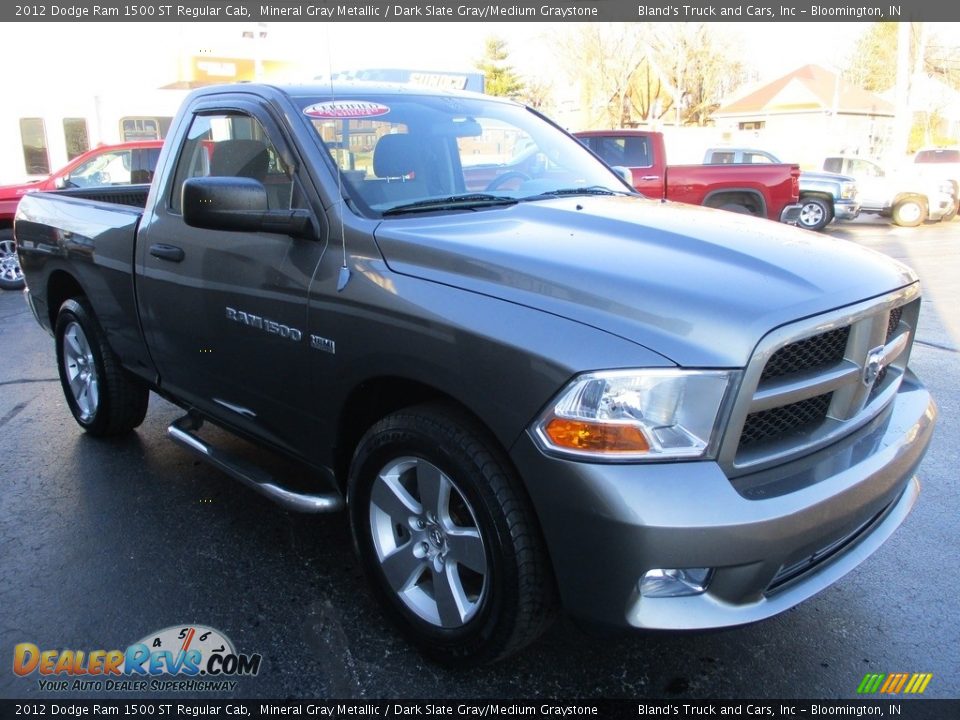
[
  {"x": 61, "y": 182},
  {"x": 624, "y": 173},
  {"x": 239, "y": 204}
]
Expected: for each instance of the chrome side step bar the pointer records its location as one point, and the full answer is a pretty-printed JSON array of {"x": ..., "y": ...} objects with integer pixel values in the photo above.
[{"x": 182, "y": 431}]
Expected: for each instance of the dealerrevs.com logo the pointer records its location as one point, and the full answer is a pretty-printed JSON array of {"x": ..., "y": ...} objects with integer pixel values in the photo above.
[{"x": 178, "y": 658}]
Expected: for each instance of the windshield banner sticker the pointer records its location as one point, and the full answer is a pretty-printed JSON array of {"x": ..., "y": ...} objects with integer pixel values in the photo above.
[{"x": 345, "y": 109}]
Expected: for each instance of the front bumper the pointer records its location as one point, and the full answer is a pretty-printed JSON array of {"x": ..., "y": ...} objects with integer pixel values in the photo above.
[
  {"x": 607, "y": 525},
  {"x": 791, "y": 214},
  {"x": 846, "y": 209}
]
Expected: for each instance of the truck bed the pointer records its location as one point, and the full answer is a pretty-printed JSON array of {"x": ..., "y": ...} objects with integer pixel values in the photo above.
[{"x": 90, "y": 234}]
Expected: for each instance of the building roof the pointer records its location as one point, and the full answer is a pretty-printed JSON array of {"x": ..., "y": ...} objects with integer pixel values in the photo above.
[{"x": 810, "y": 88}]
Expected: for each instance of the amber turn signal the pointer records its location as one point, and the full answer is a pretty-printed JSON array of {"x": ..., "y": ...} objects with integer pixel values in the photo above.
[{"x": 596, "y": 437}]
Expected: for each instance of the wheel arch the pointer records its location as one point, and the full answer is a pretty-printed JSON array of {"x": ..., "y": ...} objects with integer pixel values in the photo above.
[
  {"x": 754, "y": 199},
  {"x": 375, "y": 398},
  {"x": 818, "y": 195},
  {"x": 61, "y": 286},
  {"x": 909, "y": 196}
]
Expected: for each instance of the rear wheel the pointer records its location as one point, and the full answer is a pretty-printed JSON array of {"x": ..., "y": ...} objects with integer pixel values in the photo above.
[
  {"x": 447, "y": 538},
  {"x": 103, "y": 397},
  {"x": 11, "y": 277},
  {"x": 815, "y": 213},
  {"x": 909, "y": 212}
]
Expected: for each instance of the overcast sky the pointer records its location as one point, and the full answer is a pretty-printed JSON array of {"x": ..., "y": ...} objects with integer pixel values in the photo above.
[{"x": 109, "y": 54}]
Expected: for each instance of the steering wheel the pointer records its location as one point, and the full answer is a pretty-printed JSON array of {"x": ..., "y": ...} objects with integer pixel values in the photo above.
[{"x": 506, "y": 177}]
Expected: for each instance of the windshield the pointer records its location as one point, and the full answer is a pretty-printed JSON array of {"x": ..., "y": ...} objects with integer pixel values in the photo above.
[{"x": 410, "y": 153}]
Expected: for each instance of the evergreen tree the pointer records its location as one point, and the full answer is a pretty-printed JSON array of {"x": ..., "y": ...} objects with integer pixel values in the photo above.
[{"x": 499, "y": 77}]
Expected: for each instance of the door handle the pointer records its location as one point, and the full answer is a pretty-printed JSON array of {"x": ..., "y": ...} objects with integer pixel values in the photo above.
[
  {"x": 650, "y": 177},
  {"x": 167, "y": 252}
]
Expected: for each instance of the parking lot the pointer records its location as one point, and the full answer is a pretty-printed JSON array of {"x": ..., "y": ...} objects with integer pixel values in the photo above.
[{"x": 103, "y": 543}]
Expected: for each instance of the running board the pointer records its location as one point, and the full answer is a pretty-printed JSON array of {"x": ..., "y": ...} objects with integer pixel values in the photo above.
[{"x": 182, "y": 432}]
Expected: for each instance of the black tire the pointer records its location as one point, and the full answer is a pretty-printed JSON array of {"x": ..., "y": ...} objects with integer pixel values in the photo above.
[
  {"x": 815, "y": 213},
  {"x": 105, "y": 400},
  {"x": 737, "y": 208},
  {"x": 909, "y": 212},
  {"x": 11, "y": 276},
  {"x": 508, "y": 603}
]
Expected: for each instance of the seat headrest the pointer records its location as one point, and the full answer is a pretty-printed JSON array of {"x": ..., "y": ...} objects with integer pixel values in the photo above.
[
  {"x": 396, "y": 156},
  {"x": 240, "y": 158}
]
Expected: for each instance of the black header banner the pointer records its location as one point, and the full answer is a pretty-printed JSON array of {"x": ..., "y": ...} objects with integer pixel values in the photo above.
[
  {"x": 173, "y": 707},
  {"x": 480, "y": 11}
]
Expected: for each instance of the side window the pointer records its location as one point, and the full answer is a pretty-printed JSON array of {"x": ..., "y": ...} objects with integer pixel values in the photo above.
[
  {"x": 834, "y": 164},
  {"x": 109, "y": 168},
  {"x": 233, "y": 145},
  {"x": 756, "y": 158},
  {"x": 144, "y": 163},
  {"x": 723, "y": 157}
]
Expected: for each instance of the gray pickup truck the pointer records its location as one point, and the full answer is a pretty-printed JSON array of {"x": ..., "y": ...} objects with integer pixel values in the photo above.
[
  {"x": 530, "y": 387},
  {"x": 824, "y": 196}
]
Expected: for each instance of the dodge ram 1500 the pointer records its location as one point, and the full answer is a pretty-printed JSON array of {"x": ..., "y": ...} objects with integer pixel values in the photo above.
[{"x": 543, "y": 392}]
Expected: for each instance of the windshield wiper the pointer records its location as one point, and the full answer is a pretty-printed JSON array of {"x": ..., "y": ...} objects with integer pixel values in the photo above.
[
  {"x": 468, "y": 201},
  {"x": 591, "y": 190}
]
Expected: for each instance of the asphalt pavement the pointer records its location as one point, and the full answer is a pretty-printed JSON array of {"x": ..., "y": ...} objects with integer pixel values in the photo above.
[{"x": 103, "y": 543}]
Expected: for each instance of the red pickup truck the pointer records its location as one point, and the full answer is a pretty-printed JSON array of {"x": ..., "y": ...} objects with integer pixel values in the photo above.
[
  {"x": 129, "y": 163},
  {"x": 768, "y": 190}
]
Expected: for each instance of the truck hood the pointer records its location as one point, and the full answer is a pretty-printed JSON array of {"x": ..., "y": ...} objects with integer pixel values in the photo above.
[
  {"x": 699, "y": 286},
  {"x": 15, "y": 192},
  {"x": 823, "y": 176}
]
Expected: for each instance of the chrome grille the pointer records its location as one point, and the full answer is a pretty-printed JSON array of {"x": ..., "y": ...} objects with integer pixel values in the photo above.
[
  {"x": 808, "y": 354},
  {"x": 813, "y": 382},
  {"x": 777, "y": 422}
]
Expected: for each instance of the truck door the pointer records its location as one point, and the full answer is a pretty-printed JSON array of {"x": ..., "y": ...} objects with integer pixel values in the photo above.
[
  {"x": 225, "y": 313},
  {"x": 634, "y": 152}
]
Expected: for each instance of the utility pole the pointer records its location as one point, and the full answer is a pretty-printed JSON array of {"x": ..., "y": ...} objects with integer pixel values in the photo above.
[{"x": 903, "y": 118}]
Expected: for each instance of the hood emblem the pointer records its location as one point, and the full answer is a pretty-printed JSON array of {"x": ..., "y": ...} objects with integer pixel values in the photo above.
[{"x": 873, "y": 366}]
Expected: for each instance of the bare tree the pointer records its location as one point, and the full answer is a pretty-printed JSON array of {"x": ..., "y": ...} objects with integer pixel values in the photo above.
[
  {"x": 631, "y": 72},
  {"x": 700, "y": 63},
  {"x": 602, "y": 59},
  {"x": 538, "y": 94}
]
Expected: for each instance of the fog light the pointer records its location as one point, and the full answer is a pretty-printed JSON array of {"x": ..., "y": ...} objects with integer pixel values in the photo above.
[{"x": 675, "y": 582}]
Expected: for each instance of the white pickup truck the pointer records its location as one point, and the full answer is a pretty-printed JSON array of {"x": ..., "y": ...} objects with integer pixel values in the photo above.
[{"x": 907, "y": 198}]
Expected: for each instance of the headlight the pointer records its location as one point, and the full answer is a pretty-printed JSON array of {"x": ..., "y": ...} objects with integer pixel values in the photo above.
[
  {"x": 637, "y": 415},
  {"x": 848, "y": 191}
]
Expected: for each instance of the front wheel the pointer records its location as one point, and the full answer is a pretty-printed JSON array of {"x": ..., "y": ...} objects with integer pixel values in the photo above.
[
  {"x": 103, "y": 397},
  {"x": 910, "y": 212},
  {"x": 815, "y": 214},
  {"x": 447, "y": 538},
  {"x": 11, "y": 276}
]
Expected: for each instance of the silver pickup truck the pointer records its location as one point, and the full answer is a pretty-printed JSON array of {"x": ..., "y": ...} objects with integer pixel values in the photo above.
[{"x": 530, "y": 387}]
